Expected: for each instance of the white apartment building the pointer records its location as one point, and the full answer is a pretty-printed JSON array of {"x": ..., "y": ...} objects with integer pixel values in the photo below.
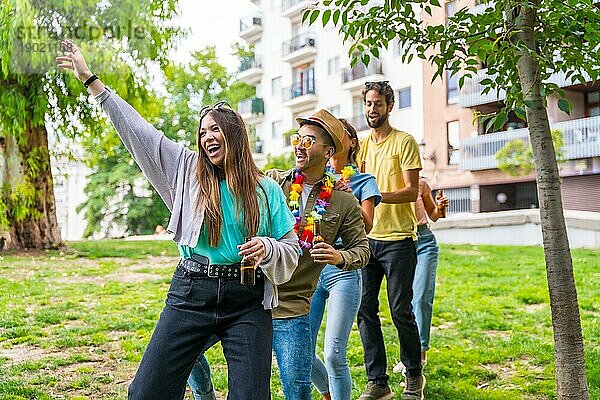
[
  {"x": 299, "y": 69},
  {"x": 70, "y": 178}
]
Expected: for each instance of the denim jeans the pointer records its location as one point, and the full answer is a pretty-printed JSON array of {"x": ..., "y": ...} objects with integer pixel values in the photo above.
[
  {"x": 424, "y": 282},
  {"x": 396, "y": 261},
  {"x": 195, "y": 310},
  {"x": 342, "y": 292},
  {"x": 294, "y": 350},
  {"x": 200, "y": 380}
]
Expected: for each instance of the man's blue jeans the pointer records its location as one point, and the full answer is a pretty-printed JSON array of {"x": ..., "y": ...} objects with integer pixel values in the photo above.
[
  {"x": 424, "y": 282},
  {"x": 294, "y": 350},
  {"x": 200, "y": 380},
  {"x": 342, "y": 292}
]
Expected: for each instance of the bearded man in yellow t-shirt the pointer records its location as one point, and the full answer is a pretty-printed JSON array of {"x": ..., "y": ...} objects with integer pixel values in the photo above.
[{"x": 392, "y": 156}]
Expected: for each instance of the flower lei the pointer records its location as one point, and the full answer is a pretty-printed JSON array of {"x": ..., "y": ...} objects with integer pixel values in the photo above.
[
  {"x": 348, "y": 172},
  {"x": 306, "y": 237}
]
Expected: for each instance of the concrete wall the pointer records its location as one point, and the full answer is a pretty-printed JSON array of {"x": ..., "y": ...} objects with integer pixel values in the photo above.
[{"x": 516, "y": 227}]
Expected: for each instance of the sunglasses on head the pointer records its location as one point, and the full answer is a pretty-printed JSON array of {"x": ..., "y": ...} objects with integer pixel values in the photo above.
[
  {"x": 381, "y": 84},
  {"x": 217, "y": 106}
]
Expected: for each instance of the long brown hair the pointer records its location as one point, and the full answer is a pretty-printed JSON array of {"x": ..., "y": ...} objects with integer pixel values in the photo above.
[
  {"x": 241, "y": 175},
  {"x": 352, "y": 152}
]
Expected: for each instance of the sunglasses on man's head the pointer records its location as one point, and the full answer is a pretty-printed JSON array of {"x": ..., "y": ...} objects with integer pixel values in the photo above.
[
  {"x": 217, "y": 106},
  {"x": 306, "y": 142},
  {"x": 381, "y": 84}
]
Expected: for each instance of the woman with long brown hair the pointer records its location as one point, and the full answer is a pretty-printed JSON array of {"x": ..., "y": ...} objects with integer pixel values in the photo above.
[{"x": 223, "y": 211}]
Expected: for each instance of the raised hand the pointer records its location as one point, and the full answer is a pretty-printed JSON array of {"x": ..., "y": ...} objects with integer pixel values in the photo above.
[{"x": 73, "y": 60}]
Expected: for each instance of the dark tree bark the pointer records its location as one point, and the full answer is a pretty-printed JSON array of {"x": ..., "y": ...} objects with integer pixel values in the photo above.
[{"x": 40, "y": 232}]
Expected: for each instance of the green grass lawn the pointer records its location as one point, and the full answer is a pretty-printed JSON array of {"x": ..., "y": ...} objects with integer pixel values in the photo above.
[{"x": 74, "y": 324}]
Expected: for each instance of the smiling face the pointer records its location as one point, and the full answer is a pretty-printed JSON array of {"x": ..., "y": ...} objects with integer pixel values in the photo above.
[
  {"x": 315, "y": 158},
  {"x": 212, "y": 141},
  {"x": 376, "y": 109}
]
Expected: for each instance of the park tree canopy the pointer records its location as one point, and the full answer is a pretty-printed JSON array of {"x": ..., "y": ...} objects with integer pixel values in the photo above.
[{"x": 120, "y": 36}]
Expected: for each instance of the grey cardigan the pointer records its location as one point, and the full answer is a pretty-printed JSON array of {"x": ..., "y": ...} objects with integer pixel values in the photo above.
[{"x": 171, "y": 169}]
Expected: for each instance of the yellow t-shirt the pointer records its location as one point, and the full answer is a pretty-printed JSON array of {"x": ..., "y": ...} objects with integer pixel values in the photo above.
[{"x": 398, "y": 152}]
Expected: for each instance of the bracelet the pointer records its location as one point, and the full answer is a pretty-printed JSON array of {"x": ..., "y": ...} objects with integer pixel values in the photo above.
[{"x": 90, "y": 80}]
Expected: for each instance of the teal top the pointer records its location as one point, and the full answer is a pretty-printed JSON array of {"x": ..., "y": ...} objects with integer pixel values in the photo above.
[{"x": 234, "y": 230}]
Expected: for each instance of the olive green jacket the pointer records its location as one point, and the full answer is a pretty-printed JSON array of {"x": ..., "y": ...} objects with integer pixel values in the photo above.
[{"x": 342, "y": 219}]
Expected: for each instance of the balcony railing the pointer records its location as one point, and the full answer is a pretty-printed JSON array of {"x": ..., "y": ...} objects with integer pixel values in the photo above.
[
  {"x": 360, "y": 71},
  {"x": 255, "y": 105},
  {"x": 286, "y": 4},
  {"x": 581, "y": 140},
  {"x": 359, "y": 122},
  {"x": 299, "y": 89},
  {"x": 471, "y": 93},
  {"x": 254, "y": 20},
  {"x": 298, "y": 42},
  {"x": 255, "y": 62}
]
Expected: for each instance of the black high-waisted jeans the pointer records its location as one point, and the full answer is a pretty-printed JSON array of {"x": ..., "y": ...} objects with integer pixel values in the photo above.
[{"x": 195, "y": 309}]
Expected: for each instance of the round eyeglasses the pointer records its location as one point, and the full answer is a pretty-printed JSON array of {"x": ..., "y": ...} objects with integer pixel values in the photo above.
[{"x": 306, "y": 142}]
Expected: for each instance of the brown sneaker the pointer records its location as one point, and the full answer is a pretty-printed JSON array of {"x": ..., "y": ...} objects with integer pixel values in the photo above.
[
  {"x": 374, "y": 391},
  {"x": 414, "y": 388}
]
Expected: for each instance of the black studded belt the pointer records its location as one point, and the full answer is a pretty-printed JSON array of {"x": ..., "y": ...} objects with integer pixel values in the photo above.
[{"x": 197, "y": 269}]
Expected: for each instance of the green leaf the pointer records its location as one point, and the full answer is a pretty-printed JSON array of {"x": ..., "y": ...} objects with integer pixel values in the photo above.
[
  {"x": 325, "y": 17},
  {"x": 520, "y": 112},
  {"x": 305, "y": 15},
  {"x": 336, "y": 16},
  {"x": 565, "y": 105},
  {"x": 314, "y": 16},
  {"x": 500, "y": 120},
  {"x": 365, "y": 59}
]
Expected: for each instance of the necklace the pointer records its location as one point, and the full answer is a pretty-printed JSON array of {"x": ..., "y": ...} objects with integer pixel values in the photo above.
[
  {"x": 305, "y": 238},
  {"x": 348, "y": 172}
]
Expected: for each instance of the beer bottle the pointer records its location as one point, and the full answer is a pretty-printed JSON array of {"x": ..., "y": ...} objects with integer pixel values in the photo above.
[
  {"x": 317, "y": 238},
  {"x": 441, "y": 209},
  {"x": 247, "y": 271},
  {"x": 362, "y": 167}
]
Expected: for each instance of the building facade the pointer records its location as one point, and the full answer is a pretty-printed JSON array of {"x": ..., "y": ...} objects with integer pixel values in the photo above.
[
  {"x": 298, "y": 69},
  {"x": 461, "y": 158}
]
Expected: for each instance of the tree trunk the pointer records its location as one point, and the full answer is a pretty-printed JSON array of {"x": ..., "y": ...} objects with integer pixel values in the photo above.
[
  {"x": 571, "y": 381},
  {"x": 41, "y": 231}
]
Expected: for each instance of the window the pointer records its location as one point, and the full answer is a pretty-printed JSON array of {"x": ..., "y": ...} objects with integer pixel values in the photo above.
[
  {"x": 451, "y": 88},
  {"x": 333, "y": 65},
  {"x": 453, "y": 132},
  {"x": 276, "y": 129},
  {"x": 450, "y": 9},
  {"x": 592, "y": 104},
  {"x": 276, "y": 86},
  {"x": 460, "y": 200},
  {"x": 335, "y": 110},
  {"x": 404, "y": 99}
]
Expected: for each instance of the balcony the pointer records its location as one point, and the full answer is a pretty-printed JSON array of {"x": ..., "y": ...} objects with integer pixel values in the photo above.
[
  {"x": 359, "y": 122},
  {"x": 292, "y": 9},
  {"x": 251, "y": 27},
  {"x": 251, "y": 70},
  {"x": 252, "y": 110},
  {"x": 300, "y": 95},
  {"x": 354, "y": 78},
  {"x": 301, "y": 49},
  {"x": 470, "y": 94},
  {"x": 581, "y": 140}
]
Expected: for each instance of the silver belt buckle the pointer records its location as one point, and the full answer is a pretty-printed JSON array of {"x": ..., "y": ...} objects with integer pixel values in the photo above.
[{"x": 209, "y": 271}]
